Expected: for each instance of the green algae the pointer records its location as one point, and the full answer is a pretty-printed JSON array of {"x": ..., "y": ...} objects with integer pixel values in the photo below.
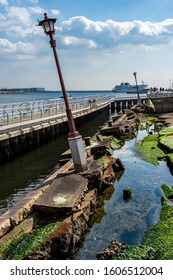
[
  {"x": 127, "y": 194},
  {"x": 109, "y": 151},
  {"x": 18, "y": 248},
  {"x": 116, "y": 143},
  {"x": 168, "y": 191},
  {"x": 166, "y": 131},
  {"x": 150, "y": 120},
  {"x": 167, "y": 141},
  {"x": 94, "y": 137},
  {"x": 135, "y": 252},
  {"x": 166, "y": 212},
  {"x": 149, "y": 150},
  {"x": 170, "y": 158},
  {"x": 105, "y": 161},
  {"x": 160, "y": 237},
  {"x": 141, "y": 126}
]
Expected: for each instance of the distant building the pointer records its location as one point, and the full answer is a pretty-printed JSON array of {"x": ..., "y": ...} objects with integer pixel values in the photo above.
[
  {"x": 34, "y": 89},
  {"x": 37, "y": 89}
]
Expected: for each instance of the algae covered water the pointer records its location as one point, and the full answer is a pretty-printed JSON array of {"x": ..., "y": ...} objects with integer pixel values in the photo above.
[{"x": 127, "y": 221}]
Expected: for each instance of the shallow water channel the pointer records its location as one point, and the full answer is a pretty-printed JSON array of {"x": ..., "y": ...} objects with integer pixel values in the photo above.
[{"x": 127, "y": 221}]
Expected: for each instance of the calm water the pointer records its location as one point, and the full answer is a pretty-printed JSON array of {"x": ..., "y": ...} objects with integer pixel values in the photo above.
[
  {"x": 127, "y": 221},
  {"x": 45, "y": 95}
]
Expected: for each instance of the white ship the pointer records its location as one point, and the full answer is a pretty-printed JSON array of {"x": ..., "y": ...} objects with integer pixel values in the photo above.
[{"x": 126, "y": 87}]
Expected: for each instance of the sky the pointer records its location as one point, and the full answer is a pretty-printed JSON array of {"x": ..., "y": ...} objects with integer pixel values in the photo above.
[{"x": 100, "y": 43}]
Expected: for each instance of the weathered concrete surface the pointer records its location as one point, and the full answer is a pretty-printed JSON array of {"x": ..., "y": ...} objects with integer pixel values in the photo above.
[
  {"x": 63, "y": 194},
  {"x": 109, "y": 252},
  {"x": 163, "y": 105},
  {"x": 59, "y": 243},
  {"x": 18, "y": 213},
  {"x": 124, "y": 124},
  {"x": 5, "y": 225},
  {"x": 25, "y": 226},
  {"x": 100, "y": 148},
  {"x": 166, "y": 118}
]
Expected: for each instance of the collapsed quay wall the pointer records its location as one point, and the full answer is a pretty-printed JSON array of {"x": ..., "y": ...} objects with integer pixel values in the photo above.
[{"x": 19, "y": 140}]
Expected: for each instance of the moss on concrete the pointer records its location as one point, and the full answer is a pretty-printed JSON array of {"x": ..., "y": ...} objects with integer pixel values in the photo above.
[
  {"x": 168, "y": 191},
  {"x": 132, "y": 252},
  {"x": 116, "y": 143},
  {"x": 160, "y": 237},
  {"x": 170, "y": 158},
  {"x": 149, "y": 150},
  {"x": 166, "y": 131},
  {"x": 18, "y": 248},
  {"x": 167, "y": 141},
  {"x": 105, "y": 161},
  {"x": 166, "y": 212},
  {"x": 141, "y": 126},
  {"x": 127, "y": 194},
  {"x": 150, "y": 120}
]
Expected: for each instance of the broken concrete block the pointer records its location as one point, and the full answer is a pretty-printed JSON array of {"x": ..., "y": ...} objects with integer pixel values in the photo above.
[{"x": 5, "y": 225}]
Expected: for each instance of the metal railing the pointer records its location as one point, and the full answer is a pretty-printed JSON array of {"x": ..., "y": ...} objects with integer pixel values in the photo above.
[
  {"x": 21, "y": 112},
  {"x": 160, "y": 94}
]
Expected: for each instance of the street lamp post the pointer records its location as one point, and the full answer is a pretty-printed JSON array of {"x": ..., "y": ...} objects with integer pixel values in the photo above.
[
  {"x": 137, "y": 89},
  {"x": 75, "y": 139}
]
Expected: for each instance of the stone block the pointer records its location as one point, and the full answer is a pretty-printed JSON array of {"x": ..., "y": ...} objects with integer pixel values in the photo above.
[
  {"x": 5, "y": 225},
  {"x": 27, "y": 206}
]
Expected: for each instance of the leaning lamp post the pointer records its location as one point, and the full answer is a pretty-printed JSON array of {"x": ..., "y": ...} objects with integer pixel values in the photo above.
[
  {"x": 135, "y": 75},
  {"x": 75, "y": 139}
]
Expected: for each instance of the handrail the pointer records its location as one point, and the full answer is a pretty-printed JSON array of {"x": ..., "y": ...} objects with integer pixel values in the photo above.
[
  {"x": 24, "y": 111},
  {"x": 27, "y": 111}
]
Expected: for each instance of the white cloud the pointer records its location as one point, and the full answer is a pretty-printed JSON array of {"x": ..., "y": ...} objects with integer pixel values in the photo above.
[
  {"x": 36, "y": 10},
  {"x": 18, "y": 21},
  {"x": 18, "y": 31},
  {"x": 19, "y": 47},
  {"x": 4, "y": 2},
  {"x": 2, "y": 17},
  {"x": 74, "y": 41},
  {"x": 18, "y": 15},
  {"x": 55, "y": 12},
  {"x": 111, "y": 33}
]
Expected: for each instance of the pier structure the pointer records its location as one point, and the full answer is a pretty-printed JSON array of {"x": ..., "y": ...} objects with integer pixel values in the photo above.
[
  {"x": 162, "y": 100},
  {"x": 23, "y": 125}
]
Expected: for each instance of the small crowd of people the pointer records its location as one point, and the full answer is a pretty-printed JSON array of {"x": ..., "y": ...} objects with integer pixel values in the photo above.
[{"x": 156, "y": 89}]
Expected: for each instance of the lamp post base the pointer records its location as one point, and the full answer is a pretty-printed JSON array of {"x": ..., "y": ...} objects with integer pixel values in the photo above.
[{"x": 78, "y": 153}]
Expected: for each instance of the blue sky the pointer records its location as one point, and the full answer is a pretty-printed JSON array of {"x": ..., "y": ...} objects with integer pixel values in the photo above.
[{"x": 100, "y": 43}]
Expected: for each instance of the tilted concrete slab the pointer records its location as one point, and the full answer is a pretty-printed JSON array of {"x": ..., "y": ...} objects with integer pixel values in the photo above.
[{"x": 63, "y": 194}]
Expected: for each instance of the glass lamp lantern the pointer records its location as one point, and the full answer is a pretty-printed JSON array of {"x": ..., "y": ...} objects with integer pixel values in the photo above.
[{"x": 48, "y": 24}]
